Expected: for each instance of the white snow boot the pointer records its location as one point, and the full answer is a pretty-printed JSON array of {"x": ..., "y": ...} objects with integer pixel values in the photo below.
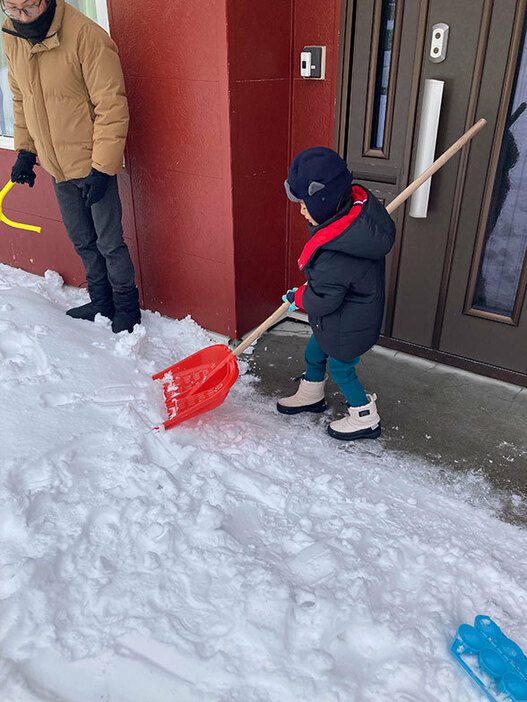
[
  {"x": 308, "y": 398},
  {"x": 360, "y": 423}
]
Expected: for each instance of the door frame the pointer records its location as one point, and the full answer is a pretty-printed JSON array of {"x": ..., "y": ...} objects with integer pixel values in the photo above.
[{"x": 348, "y": 9}]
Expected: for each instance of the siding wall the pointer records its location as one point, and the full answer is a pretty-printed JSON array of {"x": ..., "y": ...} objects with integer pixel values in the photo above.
[{"x": 217, "y": 112}]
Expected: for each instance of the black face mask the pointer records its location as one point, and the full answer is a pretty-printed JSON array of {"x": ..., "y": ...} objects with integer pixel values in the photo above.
[{"x": 37, "y": 30}]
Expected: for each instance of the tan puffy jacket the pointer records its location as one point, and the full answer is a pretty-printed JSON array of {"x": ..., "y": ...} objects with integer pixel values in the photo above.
[{"x": 69, "y": 100}]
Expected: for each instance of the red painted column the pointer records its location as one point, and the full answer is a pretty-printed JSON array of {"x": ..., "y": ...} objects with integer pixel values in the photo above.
[
  {"x": 260, "y": 83},
  {"x": 178, "y": 155},
  {"x": 313, "y": 104},
  {"x": 274, "y": 114}
]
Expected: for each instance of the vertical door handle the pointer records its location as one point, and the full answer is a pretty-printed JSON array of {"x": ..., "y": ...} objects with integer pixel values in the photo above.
[{"x": 426, "y": 144}]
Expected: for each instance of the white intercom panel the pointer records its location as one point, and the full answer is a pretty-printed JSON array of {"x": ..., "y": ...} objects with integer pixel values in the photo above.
[
  {"x": 313, "y": 62},
  {"x": 439, "y": 42}
]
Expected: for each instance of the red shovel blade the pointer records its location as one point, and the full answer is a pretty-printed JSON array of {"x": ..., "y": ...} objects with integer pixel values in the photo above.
[{"x": 198, "y": 383}]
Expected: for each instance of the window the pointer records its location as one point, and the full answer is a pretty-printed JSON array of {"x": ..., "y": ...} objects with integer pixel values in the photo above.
[
  {"x": 503, "y": 257},
  {"x": 97, "y": 11},
  {"x": 382, "y": 75},
  {"x": 385, "y": 44}
]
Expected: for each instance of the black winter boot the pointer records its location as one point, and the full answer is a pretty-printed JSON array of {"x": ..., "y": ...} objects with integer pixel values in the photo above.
[
  {"x": 127, "y": 311},
  {"x": 88, "y": 311},
  {"x": 100, "y": 302}
]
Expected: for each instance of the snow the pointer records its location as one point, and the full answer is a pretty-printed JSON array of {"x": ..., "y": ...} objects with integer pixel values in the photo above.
[{"x": 242, "y": 556}]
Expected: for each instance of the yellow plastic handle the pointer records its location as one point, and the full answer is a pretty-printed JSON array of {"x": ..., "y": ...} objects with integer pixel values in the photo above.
[{"x": 7, "y": 187}]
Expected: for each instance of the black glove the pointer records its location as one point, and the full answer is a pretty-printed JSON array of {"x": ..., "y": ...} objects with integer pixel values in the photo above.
[
  {"x": 22, "y": 171},
  {"x": 94, "y": 187}
]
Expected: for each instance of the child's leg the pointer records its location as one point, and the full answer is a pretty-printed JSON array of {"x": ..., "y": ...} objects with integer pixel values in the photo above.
[
  {"x": 344, "y": 374},
  {"x": 316, "y": 361},
  {"x": 362, "y": 420}
]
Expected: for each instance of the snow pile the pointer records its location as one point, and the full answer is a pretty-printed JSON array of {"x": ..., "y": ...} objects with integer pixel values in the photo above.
[{"x": 240, "y": 557}]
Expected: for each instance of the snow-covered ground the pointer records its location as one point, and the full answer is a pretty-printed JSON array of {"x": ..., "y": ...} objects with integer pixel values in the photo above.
[{"x": 239, "y": 557}]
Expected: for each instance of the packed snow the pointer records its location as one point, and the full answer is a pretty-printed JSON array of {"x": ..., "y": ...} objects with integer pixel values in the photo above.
[{"x": 242, "y": 556}]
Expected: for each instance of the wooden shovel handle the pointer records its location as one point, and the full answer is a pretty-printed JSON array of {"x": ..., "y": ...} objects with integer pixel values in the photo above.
[
  {"x": 425, "y": 175},
  {"x": 394, "y": 204},
  {"x": 264, "y": 326}
]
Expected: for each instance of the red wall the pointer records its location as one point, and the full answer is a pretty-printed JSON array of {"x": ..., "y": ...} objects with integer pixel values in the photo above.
[
  {"x": 176, "y": 190},
  {"x": 175, "y": 65},
  {"x": 274, "y": 114},
  {"x": 313, "y": 104},
  {"x": 217, "y": 112},
  {"x": 260, "y": 83},
  {"x": 35, "y": 252},
  {"x": 51, "y": 249}
]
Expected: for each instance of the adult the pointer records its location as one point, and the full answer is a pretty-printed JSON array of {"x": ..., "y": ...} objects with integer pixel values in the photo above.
[{"x": 70, "y": 110}]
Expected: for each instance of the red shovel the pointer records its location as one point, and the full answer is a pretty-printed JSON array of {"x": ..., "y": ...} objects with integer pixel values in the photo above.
[{"x": 201, "y": 382}]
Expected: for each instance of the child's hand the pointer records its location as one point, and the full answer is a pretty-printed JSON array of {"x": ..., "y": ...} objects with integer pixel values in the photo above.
[{"x": 290, "y": 297}]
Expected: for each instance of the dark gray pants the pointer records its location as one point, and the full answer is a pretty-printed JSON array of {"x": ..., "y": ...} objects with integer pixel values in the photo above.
[{"x": 97, "y": 236}]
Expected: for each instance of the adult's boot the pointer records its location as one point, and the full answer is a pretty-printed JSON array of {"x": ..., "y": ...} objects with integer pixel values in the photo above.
[
  {"x": 360, "y": 423},
  {"x": 88, "y": 311},
  {"x": 308, "y": 398},
  {"x": 127, "y": 311},
  {"x": 100, "y": 302}
]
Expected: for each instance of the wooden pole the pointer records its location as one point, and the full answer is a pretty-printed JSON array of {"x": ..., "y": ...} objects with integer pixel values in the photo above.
[
  {"x": 394, "y": 204},
  {"x": 425, "y": 175}
]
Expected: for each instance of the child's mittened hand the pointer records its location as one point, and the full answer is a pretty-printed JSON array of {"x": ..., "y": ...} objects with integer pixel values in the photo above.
[{"x": 290, "y": 297}]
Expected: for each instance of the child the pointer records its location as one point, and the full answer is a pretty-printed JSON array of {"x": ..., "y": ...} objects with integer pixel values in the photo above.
[{"x": 343, "y": 261}]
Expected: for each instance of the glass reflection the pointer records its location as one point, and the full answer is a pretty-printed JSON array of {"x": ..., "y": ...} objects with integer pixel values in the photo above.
[
  {"x": 506, "y": 235},
  {"x": 382, "y": 78}
]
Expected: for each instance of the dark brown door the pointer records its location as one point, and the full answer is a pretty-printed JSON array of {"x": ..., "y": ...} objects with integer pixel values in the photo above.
[
  {"x": 485, "y": 306},
  {"x": 458, "y": 276},
  {"x": 378, "y": 100}
]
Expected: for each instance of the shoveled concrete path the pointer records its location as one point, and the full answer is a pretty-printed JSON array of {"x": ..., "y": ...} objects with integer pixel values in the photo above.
[{"x": 452, "y": 419}]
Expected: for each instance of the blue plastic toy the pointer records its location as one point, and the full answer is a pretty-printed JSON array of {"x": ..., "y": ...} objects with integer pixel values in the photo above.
[{"x": 495, "y": 663}]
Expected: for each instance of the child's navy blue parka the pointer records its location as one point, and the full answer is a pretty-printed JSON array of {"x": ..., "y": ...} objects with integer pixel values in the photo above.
[{"x": 344, "y": 262}]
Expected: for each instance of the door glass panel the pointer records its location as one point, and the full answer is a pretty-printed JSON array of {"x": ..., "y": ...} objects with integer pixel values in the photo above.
[
  {"x": 506, "y": 235},
  {"x": 382, "y": 78}
]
